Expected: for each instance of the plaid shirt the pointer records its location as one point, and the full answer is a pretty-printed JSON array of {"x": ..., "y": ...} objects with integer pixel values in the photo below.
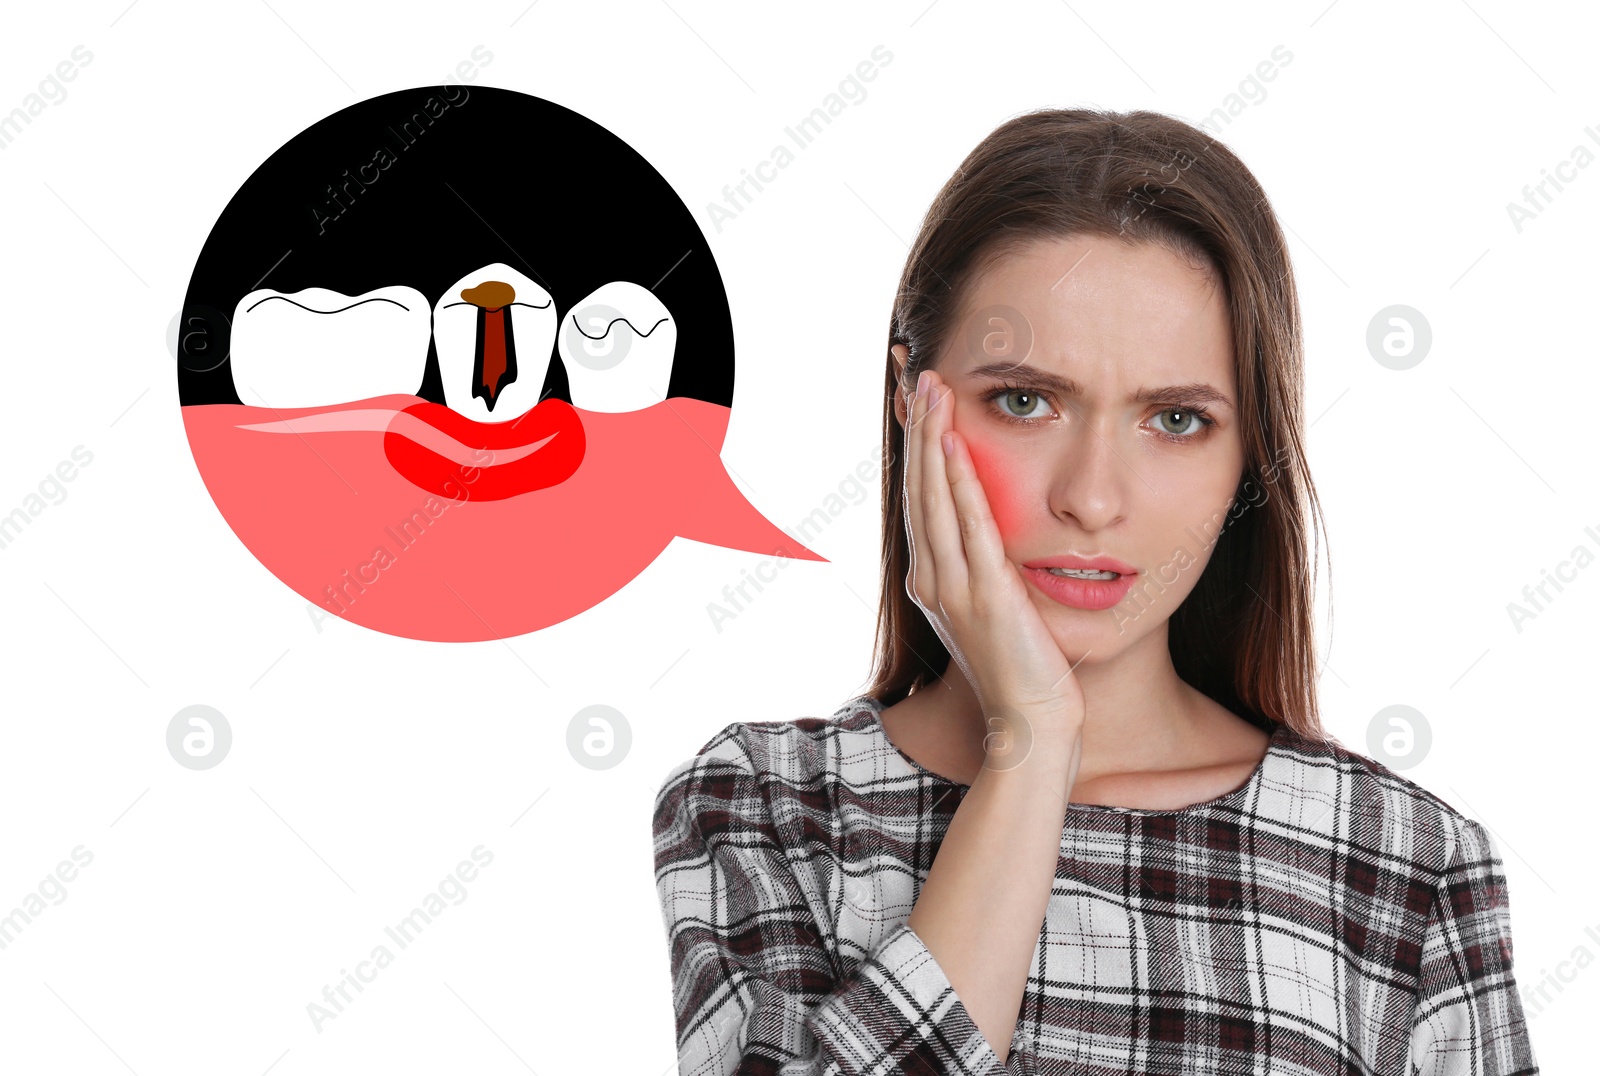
[{"x": 1327, "y": 917}]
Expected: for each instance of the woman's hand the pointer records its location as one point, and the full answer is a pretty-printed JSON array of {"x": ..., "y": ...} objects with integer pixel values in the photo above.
[{"x": 975, "y": 597}]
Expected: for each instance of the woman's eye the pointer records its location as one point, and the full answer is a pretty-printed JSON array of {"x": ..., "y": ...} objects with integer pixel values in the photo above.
[
  {"x": 1024, "y": 406},
  {"x": 1180, "y": 422},
  {"x": 1020, "y": 403}
]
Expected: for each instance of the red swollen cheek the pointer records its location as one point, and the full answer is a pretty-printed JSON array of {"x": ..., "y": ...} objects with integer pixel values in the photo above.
[{"x": 996, "y": 473}]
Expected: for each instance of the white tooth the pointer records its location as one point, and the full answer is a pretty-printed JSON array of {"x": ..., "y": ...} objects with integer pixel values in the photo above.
[
  {"x": 618, "y": 346},
  {"x": 315, "y": 347},
  {"x": 455, "y": 339}
]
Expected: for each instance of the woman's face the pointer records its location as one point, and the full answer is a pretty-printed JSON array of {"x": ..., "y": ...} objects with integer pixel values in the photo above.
[{"x": 1093, "y": 381}]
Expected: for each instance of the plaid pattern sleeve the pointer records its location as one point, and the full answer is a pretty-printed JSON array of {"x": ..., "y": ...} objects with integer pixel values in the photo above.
[
  {"x": 1469, "y": 1019},
  {"x": 758, "y": 985},
  {"x": 1327, "y": 917}
]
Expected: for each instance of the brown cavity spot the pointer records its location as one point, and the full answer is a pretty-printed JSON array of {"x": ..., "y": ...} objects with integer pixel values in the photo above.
[{"x": 490, "y": 295}]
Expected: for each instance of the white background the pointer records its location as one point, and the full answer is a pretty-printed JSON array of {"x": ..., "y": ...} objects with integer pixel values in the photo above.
[{"x": 364, "y": 767}]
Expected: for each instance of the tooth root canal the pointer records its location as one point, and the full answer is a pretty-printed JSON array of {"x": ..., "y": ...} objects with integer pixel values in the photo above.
[{"x": 494, "y": 363}]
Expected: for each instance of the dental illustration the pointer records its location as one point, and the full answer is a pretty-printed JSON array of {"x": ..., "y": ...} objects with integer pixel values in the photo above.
[
  {"x": 481, "y": 325},
  {"x": 317, "y": 346},
  {"x": 458, "y": 416},
  {"x": 618, "y": 322}
]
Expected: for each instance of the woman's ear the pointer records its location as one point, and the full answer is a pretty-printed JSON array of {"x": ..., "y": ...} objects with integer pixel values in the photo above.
[{"x": 902, "y": 393}]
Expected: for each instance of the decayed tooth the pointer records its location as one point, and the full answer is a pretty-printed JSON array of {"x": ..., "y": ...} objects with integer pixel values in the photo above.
[
  {"x": 315, "y": 347},
  {"x": 493, "y": 330},
  {"x": 618, "y": 346}
]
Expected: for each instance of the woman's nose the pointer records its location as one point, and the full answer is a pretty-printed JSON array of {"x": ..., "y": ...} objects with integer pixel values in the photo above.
[{"x": 1090, "y": 478}]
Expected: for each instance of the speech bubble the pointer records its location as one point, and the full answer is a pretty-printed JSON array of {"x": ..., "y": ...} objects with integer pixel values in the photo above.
[{"x": 535, "y": 430}]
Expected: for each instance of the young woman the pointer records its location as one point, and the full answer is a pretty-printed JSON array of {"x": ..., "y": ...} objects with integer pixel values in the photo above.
[{"x": 1085, "y": 819}]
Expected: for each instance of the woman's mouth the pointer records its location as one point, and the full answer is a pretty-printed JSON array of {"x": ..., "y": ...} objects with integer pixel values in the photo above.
[
  {"x": 1081, "y": 588},
  {"x": 1081, "y": 573}
]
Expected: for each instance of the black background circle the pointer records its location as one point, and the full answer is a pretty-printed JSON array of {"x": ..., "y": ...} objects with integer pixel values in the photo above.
[{"x": 497, "y": 176}]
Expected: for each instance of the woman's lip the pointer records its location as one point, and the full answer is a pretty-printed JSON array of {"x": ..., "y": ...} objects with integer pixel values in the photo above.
[
  {"x": 1080, "y": 593},
  {"x": 1093, "y": 564}
]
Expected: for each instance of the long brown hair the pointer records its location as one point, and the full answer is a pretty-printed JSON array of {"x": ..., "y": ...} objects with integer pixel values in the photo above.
[{"x": 1244, "y": 636}]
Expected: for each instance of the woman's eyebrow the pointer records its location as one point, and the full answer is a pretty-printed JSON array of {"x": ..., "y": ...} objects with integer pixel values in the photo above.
[{"x": 1196, "y": 392}]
